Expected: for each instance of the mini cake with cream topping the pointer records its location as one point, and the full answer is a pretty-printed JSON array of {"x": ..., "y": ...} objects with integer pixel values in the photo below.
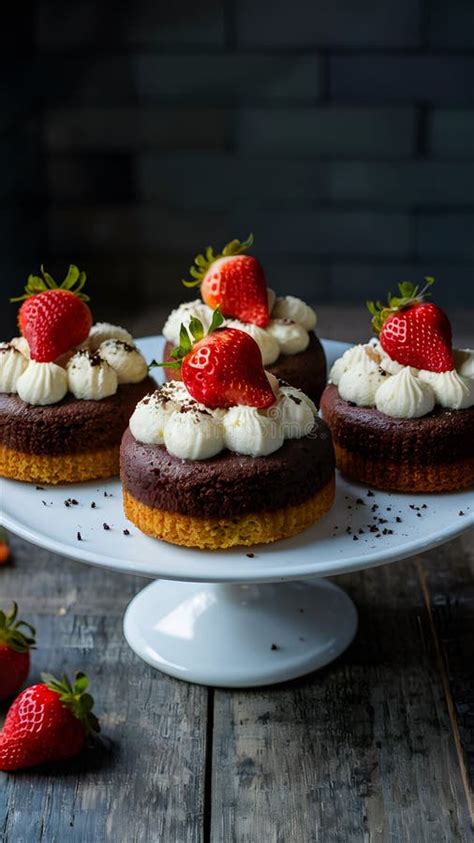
[
  {"x": 67, "y": 387},
  {"x": 282, "y": 327},
  {"x": 400, "y": 407},
  {"x": 228, "y": 456}
]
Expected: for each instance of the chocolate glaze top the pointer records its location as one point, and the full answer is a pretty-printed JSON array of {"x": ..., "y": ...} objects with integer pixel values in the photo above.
[
  {"x": 228, "y": 484},
  {"x": 72, "y": 425},
  {"x": 442, "y": 436}
]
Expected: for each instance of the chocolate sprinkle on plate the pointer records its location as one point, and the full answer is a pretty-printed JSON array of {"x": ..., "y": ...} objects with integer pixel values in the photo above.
[{"x": 105, "y": 526}]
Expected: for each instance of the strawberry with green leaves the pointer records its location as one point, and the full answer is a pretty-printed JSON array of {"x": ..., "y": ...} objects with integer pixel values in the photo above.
[
  {"x": 16, "y": 640},
  {"x": 223, "y": 368},
  {"x": 412, "y": 331},
  {"x": 54, "y": 317},
  {"x": 232, "y": 281},
  {"x": 50, "y": 721}
]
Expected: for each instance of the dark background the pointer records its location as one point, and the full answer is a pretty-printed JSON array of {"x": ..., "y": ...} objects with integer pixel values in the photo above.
[{"x": 340, "y": 132}]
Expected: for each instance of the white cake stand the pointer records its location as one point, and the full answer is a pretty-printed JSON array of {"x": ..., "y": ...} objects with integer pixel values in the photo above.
[{"x": 242, "y": 617}]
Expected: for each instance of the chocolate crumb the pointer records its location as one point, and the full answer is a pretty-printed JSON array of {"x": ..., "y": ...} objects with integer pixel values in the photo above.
[
  {"x": 126, "y": 532},
  {"x": 374, "y": 507},
  {"x": 44, "y": 503},
  {"x": 355, "y": 538},
  {"x": 74, "y": 502},
  {"x": 93, "y": 505},
  {"x": 274, "y": 647},
  {"x": 460, "y": 512},
  {"x": 398, "y": 519},
  {"x": 389, "y": 508},
  {"x": 250, "y": 555},
  {"x": 105, "y": 526},
  {"x": 418, "y": 514},
  {"x": 424, "y": 506},
  {"x": 370, "y": 494},
  {"x": 360, "y": 502},
  {"x": 361, "y": 532},
  {"x": 108, "y": 495},
  {"x": 66, "y": 503},
  {"x": 348, "y": 530},
  {"x": 378, "y": 536},
  {"x": 40, "y": 488},
  {"x": 79, "y": 537}
]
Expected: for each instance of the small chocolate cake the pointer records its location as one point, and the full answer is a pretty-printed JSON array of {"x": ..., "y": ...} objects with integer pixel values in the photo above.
[
  {"x": 434, "y": 453},
  {"x": 70, "y": 441},
  {"x": 229, "y": 499}
]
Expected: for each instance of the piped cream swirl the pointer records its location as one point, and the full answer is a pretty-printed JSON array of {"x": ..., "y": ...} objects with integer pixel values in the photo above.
[
  {"x": 404, "y": 396},
  {"x": 42, "y": 383},
  {"x": 12, "y": 366}
]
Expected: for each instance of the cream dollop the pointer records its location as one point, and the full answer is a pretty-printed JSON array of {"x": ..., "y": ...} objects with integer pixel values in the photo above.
[
  {"x": 351, "y": 358},
  {"x": 294, "y": 412},
  {"x": 290, "y": 307},
  {"x": 451, "y": 389},
  {"x": 360, "y": 383},
  {"x": 291, "y": 336},
  {"x": 147, "y": 422},
  {"x": 464, "y": 362},
  {"x": 249, "y": 431},
  {"x": 12, "y": 365},
  {"x": 182, "y": 315},
  {"x": 268, "y": 344},
  {"x": 102, "y": 331},
  {"x": 404, "y": 396},
  {"x": 21, "y": 345},
  {"x": 90, "y": 377},
  {"x": 129, "y": 365},
  {"x": 193, "y": 434},
  {"x": 42, "y": 383}
]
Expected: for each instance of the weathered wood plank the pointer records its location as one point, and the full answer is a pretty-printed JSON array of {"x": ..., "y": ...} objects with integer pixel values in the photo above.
[
  {"x": 447, "y": 578},
  {"x": 147, "y": 783},
  {"x": 362, "y": 751}
]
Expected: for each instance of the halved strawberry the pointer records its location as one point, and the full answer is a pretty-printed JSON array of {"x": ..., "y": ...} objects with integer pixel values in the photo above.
[
  {"x": 16, "y": 640},
  {"x": 222, "y": 369},
  {"x": 54, "y": 318},
  {"x": 233, "y": 282},
  {"x": 412, "y": 331},
  {"x": 50, "y": 721}
]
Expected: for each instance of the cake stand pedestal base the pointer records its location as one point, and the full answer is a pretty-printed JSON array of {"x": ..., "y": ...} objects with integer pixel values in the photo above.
[{"x": 240, "y": 636}]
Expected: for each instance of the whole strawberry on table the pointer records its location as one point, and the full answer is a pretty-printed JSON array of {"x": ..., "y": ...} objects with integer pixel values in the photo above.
[
  {"x": 401, "y": 407},
  {"x": 17, "y": 638},
  {"x": 48, "y": 722}
]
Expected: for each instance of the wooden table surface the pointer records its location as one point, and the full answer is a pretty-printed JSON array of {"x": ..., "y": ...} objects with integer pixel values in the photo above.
[{"x": 379, "y": 746}]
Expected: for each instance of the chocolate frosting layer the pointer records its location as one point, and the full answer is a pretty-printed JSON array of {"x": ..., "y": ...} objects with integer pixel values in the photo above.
[
  {"x": 306, "y": 370},
  {"x": 228, "y": 484},
  {"x": 442, "y": 436},
  {"x": 72, "y": 426}
]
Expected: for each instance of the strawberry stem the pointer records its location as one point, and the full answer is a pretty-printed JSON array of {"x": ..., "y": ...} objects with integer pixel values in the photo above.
[
  {"x": 409, "y": 295},
  {"x": 73, "y": 282},
  {"x": 16, "y": 634},
  {"x": 74, "y": 696},
  {"x": 203, "y": 262}
]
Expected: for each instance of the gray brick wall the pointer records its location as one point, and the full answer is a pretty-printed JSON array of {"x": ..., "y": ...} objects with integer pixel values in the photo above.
[{"x": 341, "y": 133}]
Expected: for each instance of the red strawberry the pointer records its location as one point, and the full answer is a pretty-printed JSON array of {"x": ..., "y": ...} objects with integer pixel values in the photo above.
[
  {"x": 54, "y": 318},
  {"x": 16, "y": 640},
  {"x": 233, "y": 282},
  {"x": 4, "y": 547},
  {"x": 414, "y": 332},
  {"x": 47, "y": 722},
  {"x": 223, "y": 368}
]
